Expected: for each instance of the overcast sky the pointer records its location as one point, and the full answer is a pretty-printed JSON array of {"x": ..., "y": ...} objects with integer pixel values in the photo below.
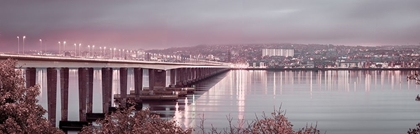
[{"x": 151, "y": 24}]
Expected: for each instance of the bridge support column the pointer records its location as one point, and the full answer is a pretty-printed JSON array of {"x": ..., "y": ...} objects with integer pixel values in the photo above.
[
  {"x": 205, "y": 72},
  {"x": 52, "y": 94},
  {"x": 151, "y": 79},
  {"x": 198, "y": 74},
  {"x": 138, "y": 81},
  {"x": 179, "y": 77},
  {"x": 123, "y": 86},
  {"x": 64, "y": 85},
  {"x": 189, "y": 76},
  {"x": 83, "y": 87},
  {"x": 158, "y": 79},
  {"x": 89, "y": 92},
  {"x": 106, "y": 88},
  {"x": 173, "y": 78},
  {"x": 30, "y": 77},
  {"x": 184, "y": 77},
  {"x": 193, "y": 73}
]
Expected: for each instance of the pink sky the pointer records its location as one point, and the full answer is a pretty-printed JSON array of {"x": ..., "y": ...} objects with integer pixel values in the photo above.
[{"x": 163, "y": 24}]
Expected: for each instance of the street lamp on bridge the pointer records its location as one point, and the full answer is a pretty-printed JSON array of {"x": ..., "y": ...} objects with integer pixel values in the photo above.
[
  {"x": 75, "y": 49},
  {"x": 80, "y": 44},
  {"x": 110, "y": 51},
  {"x": 40, "y": 40},
  {"x": 23, "y": 46},
  {"x": 88, "y": 55},
  {"x": 103, "y": 53},
  {"x": 64, "y": 48},
  {"x": 114, "y": 53},
  {"x": 18, "y": 44},
  {"x": 59, "y": 44}
]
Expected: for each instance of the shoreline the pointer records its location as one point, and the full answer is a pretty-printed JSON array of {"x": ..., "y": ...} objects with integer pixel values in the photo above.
[{"x": 330, "y": 69}]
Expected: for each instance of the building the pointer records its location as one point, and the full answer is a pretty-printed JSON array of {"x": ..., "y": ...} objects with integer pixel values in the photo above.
[{"x": 278, "y": 52}]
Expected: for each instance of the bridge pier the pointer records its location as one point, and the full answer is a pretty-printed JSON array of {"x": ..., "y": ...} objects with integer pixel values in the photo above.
[
  {"x": 151, "y": 79},
  {"x": 83, "y": 90},
  {"x": 138, "y": 81},
  {"x": 185, "y": 76},
  {"x": 157, "y": 79},
  {"x": 206, "y": 72},
  {"x": 123, "y": 86},
  {"x": 179, "y": 77},
  {"x": 106, "y": 89},
  {"x": 173, "y": 78},
  {"x": 64, "y": 86},
  {"x": 52, "y": 94},
  {"x": 199, "y": 74},
  {"x": 191, "y": 75},
  {"x": 30, "y": 77},
  {"x": 89, "y": 95}
]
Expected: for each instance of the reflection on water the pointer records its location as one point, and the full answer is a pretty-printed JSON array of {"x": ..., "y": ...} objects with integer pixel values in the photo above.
[{"x": 339, "y": 101}]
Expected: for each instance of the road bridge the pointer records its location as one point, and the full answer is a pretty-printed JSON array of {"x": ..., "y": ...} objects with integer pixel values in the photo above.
[{"x": 181, "y": 75}]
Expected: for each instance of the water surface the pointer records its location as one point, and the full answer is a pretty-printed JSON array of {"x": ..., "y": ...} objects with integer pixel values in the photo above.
[{"x": 340, "y": 102}]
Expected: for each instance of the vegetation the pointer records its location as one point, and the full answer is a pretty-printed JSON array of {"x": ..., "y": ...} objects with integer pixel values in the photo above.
[
  {"x": 130, "y": 121},
  {"x": 19, "y": 111},
  {"x": 415, "y": 130},
  {"x": 277, "y": 123}
]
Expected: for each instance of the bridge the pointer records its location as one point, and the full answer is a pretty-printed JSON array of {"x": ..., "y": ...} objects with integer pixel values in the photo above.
[{"x": 182, "y": 75}]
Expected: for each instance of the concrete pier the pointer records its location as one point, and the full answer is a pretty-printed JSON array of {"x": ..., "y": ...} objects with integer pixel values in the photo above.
[
  {"x": 30, "y": 77},
  {"x": 64, "y": 86},
  {"x": 106, "y": 89},
  {"x": 151, "y": 78},
  {"x": 138, "y": 81},
  {"x": 179, "y": 77},
  {"x": 89, "y": 99},
  {"x": 157, "y": 79},
  {"x": 172, "y": 77},
  {"x": 190, "y": 73},
  {"x": 198, "y": 74},
  {"x": 123, "y": 86},
  {"x": 184, "y": 76},
  {"x": 83, "y": 87},
  {"x": 52, "y": 94},
  {"x": 160, "y": 79}
]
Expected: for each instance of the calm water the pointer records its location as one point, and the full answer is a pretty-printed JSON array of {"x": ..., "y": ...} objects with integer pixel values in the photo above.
[{"x": 338, "y": 101}]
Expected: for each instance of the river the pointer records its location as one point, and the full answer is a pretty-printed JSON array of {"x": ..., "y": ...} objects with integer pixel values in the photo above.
[{"x": 338, "y": 102}]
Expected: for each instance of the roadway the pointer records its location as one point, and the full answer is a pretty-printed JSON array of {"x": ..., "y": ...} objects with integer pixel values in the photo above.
[{"x": 25, "y": 61}]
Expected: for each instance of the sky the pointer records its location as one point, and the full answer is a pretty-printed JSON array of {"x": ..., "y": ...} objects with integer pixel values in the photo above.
[{"x": 156, "y": 24}]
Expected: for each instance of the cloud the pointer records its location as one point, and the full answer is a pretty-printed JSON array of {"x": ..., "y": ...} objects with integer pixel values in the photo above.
[{"x": 160, "y": 24}]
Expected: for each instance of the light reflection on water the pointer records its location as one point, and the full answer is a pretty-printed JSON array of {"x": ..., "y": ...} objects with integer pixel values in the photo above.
[{"x": 339, "y": 101}]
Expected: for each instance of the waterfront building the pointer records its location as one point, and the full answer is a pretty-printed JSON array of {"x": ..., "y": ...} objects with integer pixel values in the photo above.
[{"x": 278, "y": 52}]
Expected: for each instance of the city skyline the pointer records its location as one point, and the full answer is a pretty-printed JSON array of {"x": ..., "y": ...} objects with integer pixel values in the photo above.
[{"x": 156, "y": 25}]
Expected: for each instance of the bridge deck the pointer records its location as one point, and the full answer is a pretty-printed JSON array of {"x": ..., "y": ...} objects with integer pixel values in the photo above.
[{"x": 69, "y": 62}]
